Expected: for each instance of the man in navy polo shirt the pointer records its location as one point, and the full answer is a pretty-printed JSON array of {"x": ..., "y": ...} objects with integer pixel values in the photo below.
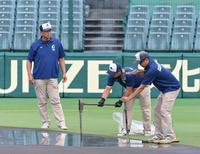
[
  {"x": 47, "y": 53},
  {"x": 118, "y": 74},
  {"x": 169, "y": 88}
]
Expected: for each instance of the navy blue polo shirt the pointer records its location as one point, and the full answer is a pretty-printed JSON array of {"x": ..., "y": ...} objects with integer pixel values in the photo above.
[
  {"x": 161, "y": 77},
  {"x": 126, "y": 80},
  {"x": 45, "y": 55}
]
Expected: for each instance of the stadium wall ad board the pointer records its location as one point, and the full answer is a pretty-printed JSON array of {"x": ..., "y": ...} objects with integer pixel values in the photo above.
[{"x": 87, "y": 77}]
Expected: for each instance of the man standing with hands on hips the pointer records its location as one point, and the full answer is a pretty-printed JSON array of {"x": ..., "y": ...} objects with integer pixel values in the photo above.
[
  {"x": 169, "y": 88},
  {"x": 47, "y": 53}
]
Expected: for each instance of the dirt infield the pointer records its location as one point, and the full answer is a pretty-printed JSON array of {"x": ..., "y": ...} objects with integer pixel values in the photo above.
[{"x": 31, "y": 141}]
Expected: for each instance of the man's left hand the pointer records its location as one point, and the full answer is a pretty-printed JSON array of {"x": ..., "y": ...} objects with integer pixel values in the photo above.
[
  {"x": 125, "y": 99},
  {"x": 64, "y": 78}
]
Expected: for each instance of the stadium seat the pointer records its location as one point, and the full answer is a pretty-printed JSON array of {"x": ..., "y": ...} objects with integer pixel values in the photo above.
[
  {"x": 77, "y": 2},
  {"x": 6, "y": 15},
  {"x": 163, "y": 29},
  {"x": 184, "y": 29},
  {"x": 26, "y": 15},
  {"x": 139, "y": 8},
  {"x": 162, "y": 8},
  {"x": 182, "y": 41},
  {"x": 50, "y": 3},
  {"x": 7, "y": 2},
  {"x": 135, "y": 41},
  {"x": 28, "y": 22},
  {"x": 138, "y": 16},
  {"x": 138, "y": 22},
  {"x": 76, "y": 28},
  {"x": 49, "y": 15},
  {"x": 77, "y": 42},
  {"x": 5, "y": 40},
  {"x": 76, "y": 15},
  {"x": 64, "y": 39},
  {"x": 185, "y": 22},
  {"x": 24, "y": 28},
  {"x": 76, "y": 21},
  {"x": 185, "y": 16},
  {"x": 4, "y": 28},
  {"x": 136, "y": 29},
  {"x": 198, "y": 29},
  {"x": 197, "y": 42},
  {"x": 161, "y": 22},
  {"x": 186, "y": 8},
  {"x": 23, "y": 40},
  {"x": 6, "y": 22},
  {"x": 51, "y": 9},
  {"x": 198, "y": 21},
  {"x": 27, "y": 9},
  {"x": 30, "y": 3},
  {"x": 6, "y": 9},
  {"x": 158, "y": 41},
  {"x": 161, "y": 15}
]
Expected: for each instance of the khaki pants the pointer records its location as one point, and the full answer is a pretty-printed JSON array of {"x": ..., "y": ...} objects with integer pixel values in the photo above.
[
  {"x": 145, "y": 104},
  {"x": 49, "y": 88},
  {"x": 163, "y": 110}
]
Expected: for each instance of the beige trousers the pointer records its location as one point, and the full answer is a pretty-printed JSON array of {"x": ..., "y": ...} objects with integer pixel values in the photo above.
[
  {"x": 145, "y": 104},
  {"x": 163, "y": 111},
  {"x": 43, "y": 90}
]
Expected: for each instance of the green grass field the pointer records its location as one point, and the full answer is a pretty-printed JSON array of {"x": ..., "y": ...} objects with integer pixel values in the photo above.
[{"x": 17, "y": 112}]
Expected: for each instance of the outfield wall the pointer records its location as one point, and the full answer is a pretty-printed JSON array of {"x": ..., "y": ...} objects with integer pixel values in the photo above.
[{"x": 87, "y": 73}]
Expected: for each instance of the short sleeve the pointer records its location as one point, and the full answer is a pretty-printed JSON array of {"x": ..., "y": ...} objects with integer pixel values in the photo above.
[
  {"x": 110, "y": 81},
  {"x": 61, "y": 51},
  {"x": 150, "y": 76},
  {"x": 129, "y": 81},
  {"x": 31, "y": 54}
]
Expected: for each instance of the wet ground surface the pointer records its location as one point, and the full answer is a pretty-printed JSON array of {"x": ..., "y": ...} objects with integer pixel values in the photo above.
[
  {"x": 23, "y": 140},
  {"x": 14, "y": 136}
]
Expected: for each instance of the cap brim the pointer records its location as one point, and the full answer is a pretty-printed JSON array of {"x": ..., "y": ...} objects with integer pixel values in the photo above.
[
  {"x": 110, "y": 72},
  {"x": 46, "y": 30},
  {"x": 137, "y": 61}
]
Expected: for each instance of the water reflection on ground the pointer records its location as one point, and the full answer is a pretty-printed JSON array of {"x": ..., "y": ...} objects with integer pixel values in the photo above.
[{"x": 11, "y": 136}]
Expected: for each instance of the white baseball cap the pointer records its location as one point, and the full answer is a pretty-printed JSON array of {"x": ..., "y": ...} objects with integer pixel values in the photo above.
[
  {"x": 46, "y": 27},
  {"x": 113, "y": 68}
]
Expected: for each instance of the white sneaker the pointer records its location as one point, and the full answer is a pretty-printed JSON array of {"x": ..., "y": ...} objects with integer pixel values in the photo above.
[
  {"x": 147, "y": 133},
  {"x": 168, "y": 140},
  {"x": 45, "y": 126},
  {"x": 154, "y": 139},
  {"x": 63, "y": 127},
  {"x": 122, "y": 133}
]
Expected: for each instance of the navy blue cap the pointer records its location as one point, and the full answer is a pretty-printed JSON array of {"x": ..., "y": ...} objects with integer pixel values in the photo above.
[{"x": 140, "y": 56}]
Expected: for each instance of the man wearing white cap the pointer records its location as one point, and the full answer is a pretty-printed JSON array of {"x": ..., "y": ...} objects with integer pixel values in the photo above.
[
  {"x": 169, "y": 88},
  {"x": 118, "y": 74},
  {"x": 47, "y": 53}
]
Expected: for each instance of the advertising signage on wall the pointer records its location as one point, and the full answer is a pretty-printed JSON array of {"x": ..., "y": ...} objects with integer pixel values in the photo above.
[{"x": 87, "y": 75}]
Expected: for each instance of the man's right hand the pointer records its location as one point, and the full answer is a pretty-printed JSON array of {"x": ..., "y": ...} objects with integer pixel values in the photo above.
[
  {"x": 118, "y": 103},
  {"x": 101, "y": 102}
]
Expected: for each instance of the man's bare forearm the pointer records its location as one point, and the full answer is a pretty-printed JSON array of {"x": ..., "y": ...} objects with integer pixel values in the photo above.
[
  {"x": 106, "y": 92},
  {"x": 62, "y": 65}
]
